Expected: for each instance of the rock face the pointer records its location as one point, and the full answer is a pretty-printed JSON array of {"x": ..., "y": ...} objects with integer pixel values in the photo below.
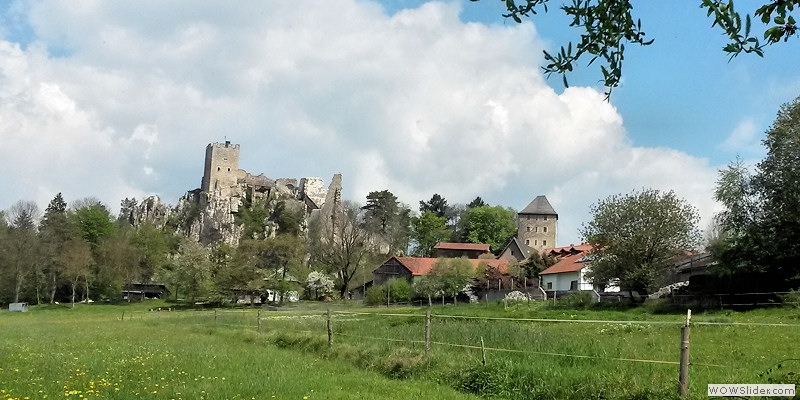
[
  {"x": 208, "y": 214},
  {"x": 151, "y": 210}
]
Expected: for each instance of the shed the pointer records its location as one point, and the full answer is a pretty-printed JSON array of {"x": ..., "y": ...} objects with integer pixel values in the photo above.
[{"x": 23, "y": 307}]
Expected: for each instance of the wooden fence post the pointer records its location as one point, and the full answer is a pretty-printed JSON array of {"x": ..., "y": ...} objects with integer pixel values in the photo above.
[
  {"x": 683, "y": 373},
  {"x": 259, "y": 320},
  {"x": 215, "y": 315},
  {"x": 123, "y": 316},
  {"x": 483, "y": 351},
  {"x": 428, "y": 333},
  {"x": 330, "y": 329}
]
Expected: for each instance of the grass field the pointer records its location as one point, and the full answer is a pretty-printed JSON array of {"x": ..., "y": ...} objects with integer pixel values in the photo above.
[
  {"x": 92, "y": 351},
  {"x": 89, "y": 353}
]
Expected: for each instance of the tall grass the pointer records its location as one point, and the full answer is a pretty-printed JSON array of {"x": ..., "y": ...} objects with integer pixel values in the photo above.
[
  {"x": 524, "y": 358},
  {"x": 90, "y": 352}
]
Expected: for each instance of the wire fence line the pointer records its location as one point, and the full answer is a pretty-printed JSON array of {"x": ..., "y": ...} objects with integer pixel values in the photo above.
[{"x": 252, "y": 318}]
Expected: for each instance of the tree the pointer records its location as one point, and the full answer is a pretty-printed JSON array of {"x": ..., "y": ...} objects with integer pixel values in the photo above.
[
  {"x": 608, "y": 25},
  {"x": 427, "y": 230},
  {"x": 76, "y": 256},
  {"x": 477, "y": 202},
  {"x": 437, "y": 205},
  {"x": 777, "y": 184},
  {"x": 757, "y": 242},
  {"x": 452, "y": 275},
  {"x": 319, "y": 283},
  {"x": 342, "y": 244},
  {"x": 388, "y": 221},
  {"x": 21, "y": 246},
  {"x": 278, "y": 256},
  {"x": 54, "y": 231},
  {"x": 492, "y": 225},
  {"x": 635, "y": 237},
  {"x": 93, "y": 220},
  {"x": 192, "y": 271}
]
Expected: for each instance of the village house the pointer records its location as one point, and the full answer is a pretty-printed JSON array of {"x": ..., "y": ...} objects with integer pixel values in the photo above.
[{"x": 569, "y": 273}]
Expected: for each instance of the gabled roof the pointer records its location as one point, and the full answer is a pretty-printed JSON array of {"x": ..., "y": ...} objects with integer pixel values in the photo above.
[
  {"x": 567, "y": 250},
  {"x": 462, "y": 246},
  {"x": 539, "y": 205},
  {"x": 571, "y": 263},
  {"x": 524, "y": 249},
  {"x": 422, "y": 266}
]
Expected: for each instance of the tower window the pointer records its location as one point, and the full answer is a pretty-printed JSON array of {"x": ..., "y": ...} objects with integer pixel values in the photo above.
[
  {"x": 217, "y": 168},
  {"x": 535, "y": 242},
  {"x": 528, "y": 228},
  {"x": 545, "y": 229},
  {"x": 536, "y": 229},
  {"x": 527, "y": 241},
  {"x": 545, "y": 217},
  {"x": 229, "y": 170}
]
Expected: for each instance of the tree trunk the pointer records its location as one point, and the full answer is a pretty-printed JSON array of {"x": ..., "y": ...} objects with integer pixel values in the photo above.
[
  {"x": 53, "y": 290},
  {"x": 74, "y": 283}
]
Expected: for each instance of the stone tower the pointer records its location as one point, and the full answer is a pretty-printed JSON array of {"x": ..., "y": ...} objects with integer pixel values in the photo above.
[
  {"x": 222, "y": 168},
  {"x": 537, "y": 224}
]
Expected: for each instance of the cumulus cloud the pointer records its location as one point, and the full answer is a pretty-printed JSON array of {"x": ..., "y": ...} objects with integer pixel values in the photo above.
[
  {"x": 744, "y": 139},
  {"x": 119, "y": 99}
]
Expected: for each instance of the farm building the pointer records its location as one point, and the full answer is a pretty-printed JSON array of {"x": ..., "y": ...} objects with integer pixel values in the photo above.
[
  {"x": 410, "y": 268},
  {"x": 457, "y": 250}
]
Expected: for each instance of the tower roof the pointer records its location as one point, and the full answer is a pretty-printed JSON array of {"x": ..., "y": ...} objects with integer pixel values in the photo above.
[{"x": 539, "y": 205}]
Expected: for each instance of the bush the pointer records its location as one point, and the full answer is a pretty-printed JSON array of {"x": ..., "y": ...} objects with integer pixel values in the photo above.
[
  {"x": 577, "y": 300},
  {"x": 375, "y": 295},
  {"x": 791, "y": 299},
  {"x": 400, "y": 292}
]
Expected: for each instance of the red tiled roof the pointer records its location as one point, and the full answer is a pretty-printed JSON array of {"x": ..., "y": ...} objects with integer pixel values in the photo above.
[
  {"x": 422, "y": 266},
  {"x": 571, "y": 249},
  {"x": 571, "y": 263},
  {"x": 462, "y": 246}
]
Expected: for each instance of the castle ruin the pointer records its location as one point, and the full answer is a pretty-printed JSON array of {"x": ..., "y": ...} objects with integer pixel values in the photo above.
[{"x": 209, "y": 213}]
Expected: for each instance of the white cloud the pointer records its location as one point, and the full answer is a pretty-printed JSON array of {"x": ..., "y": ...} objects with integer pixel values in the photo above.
[
  {"x": 416, "y": 103},
  {"x": 744, "y": 139}
]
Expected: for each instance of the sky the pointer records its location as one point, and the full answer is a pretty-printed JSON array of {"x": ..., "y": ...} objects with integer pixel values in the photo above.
[{"x": 119, "y": 99}]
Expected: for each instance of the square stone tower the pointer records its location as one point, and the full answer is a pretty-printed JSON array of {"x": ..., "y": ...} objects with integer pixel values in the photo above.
[
  {"x": 221, "y": 169},
  {"x": 537, "y": 224}
]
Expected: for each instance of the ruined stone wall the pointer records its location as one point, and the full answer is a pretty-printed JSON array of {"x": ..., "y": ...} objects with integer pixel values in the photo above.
[{"x": 221, "y": 170}]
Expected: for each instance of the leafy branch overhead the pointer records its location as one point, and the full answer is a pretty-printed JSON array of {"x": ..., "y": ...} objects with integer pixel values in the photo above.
[{"x": 608, "y": 25}]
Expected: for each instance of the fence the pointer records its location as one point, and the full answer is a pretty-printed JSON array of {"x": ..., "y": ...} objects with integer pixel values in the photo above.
[{"x": 616, "y": 346}]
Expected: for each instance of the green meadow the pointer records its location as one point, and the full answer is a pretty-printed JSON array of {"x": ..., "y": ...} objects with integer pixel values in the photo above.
[{"x": 533, "y": 351}]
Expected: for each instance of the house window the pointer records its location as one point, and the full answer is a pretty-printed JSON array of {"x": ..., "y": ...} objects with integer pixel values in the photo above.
[
  {"x": 545, "y": 229},
  {"x": 527, "y": 241},
  {"x": 573, "y": 285},
  {"x": 549, "y": 285}
]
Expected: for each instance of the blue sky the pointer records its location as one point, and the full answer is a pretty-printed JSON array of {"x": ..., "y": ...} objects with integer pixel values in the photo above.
[{"x": 119, "y": 99}]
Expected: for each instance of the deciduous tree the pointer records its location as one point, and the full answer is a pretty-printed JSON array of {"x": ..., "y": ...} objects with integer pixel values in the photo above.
[
  {"x": 636, "y": 236},
  {"x": 492, "y": 225}
]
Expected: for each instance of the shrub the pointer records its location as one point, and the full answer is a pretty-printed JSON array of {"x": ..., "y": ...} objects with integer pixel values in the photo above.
[
  {"x": 577, "y": 300},
  {"x": 400, "y": 290},
  {"x": 375, "y": 295},
  {"x": 791, "y": 299}
]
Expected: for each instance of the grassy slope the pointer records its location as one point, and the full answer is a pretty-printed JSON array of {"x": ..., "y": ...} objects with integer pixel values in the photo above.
[{"x": 89, "y": 353}]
